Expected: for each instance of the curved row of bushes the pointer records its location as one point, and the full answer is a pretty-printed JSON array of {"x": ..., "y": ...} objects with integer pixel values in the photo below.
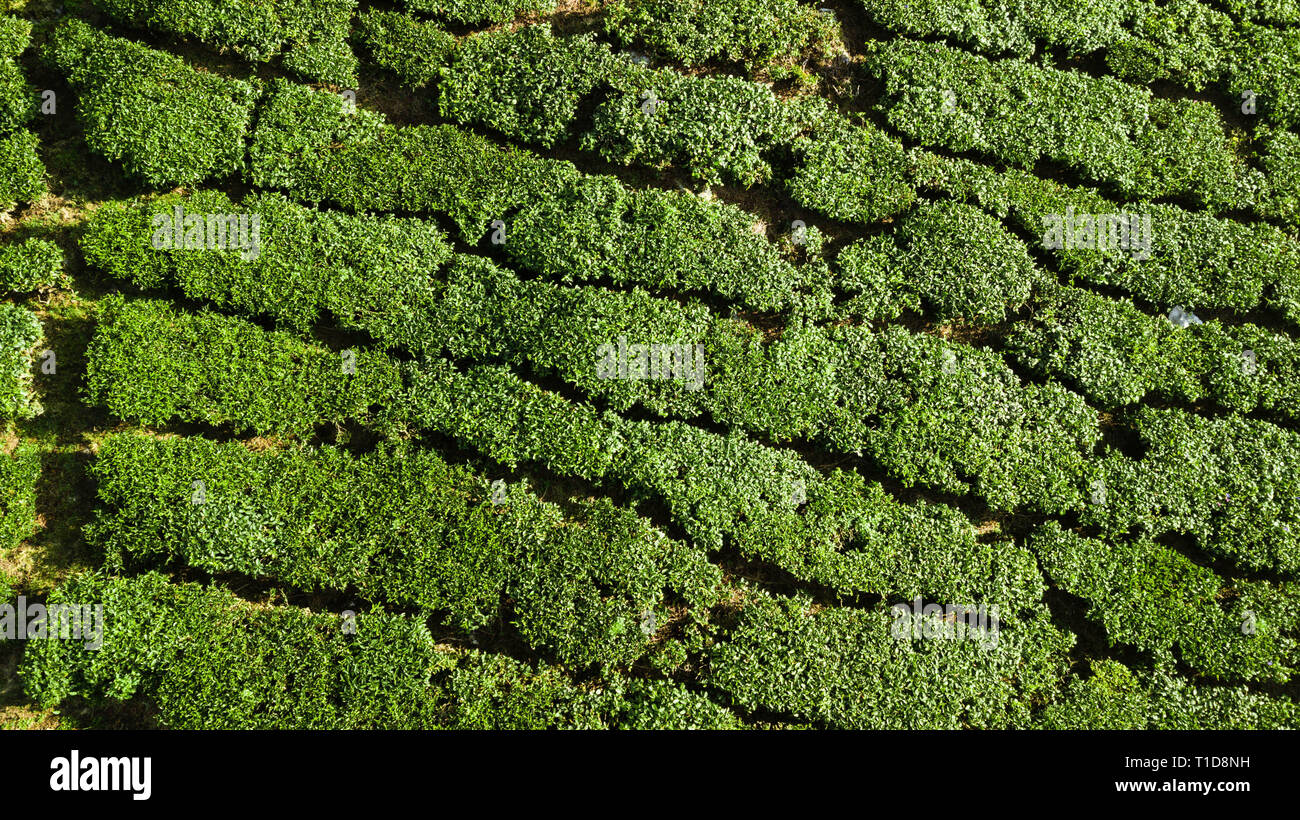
[
  {"x": 727, "y": 491},
  {"x": 1231, "y": 483},
  {"x": 208, "y": 660},
  {"x": 1113, "y": 134},
  {"x": 402, "y": 527},
  {"x": 1154, "y": 598},
  {"x": 22, "y": 176},
  {"x": 1116, "y": 355},
  {"x": 309, "y": 37},
  {"x": 152, "y": 363}
]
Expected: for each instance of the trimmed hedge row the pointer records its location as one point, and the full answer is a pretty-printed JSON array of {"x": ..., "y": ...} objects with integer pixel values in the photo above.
[
  {"x": 402, "y": 526},
  {"x": 1116, "y": 355},
  {"x": 725, "y": 490},
  {"x": 207, "y": 660},
  {"x": 953, "y": 257},
  {"x": 17, "y": 97},
  {"x": 20, "y": 336},
  {"x": 1232, "y": 483},
  {"x": 34, "y": 264},
  {"x": 594, "y": 227},
  {"x": 1199, "y": 46},
  {"x": 525, "y": 83},
  {"x": 1196, "y": 260},
  {"x": 1111, "y": 133},
  {"x": 308, "y": 35},
  {"x": 998, "y": 26},
  {"x": 152, "y": 363},
  {"x": 918, "y": 405},
  {"x": 1281, "y": 161},
  {"x": 844, "y": 669},
  {"x": 479, "y": 11},
  {"x": 367, "y": 272},
  {"x": 1114, "y": 697},
  {"x": 957, "y": 419},
  {"x": 19, "y": 472},
  {"x": 1147, "y": 595},
  {"x": 1277, "y": 12},
  {"x": 415, "y": 50},
  {"x": 319, "y": 149},
  {"x": 718, "y": 126},
  {"x": 850, "y": 172},
  {"x": 15, "y": 35},
  {"x": 22, "y": 176},
  {"x": 168, "y": 123},
  {"x": 761, "y": 34}
]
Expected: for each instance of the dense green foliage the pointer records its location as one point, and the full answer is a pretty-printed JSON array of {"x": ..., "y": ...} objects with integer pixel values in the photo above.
[
  {"x": 401, "y": 526},
  {"x": 20, "y": 338},
  {"x": 1231, "y": 483},
  {"x": 1111, "y": 133},
  {"x": 308, "y": 34},
  {"x": 34, "y": 264},
  {"x": 757, "y": 33},
  {"x": 654, "y": 359},
  {"x": 1117, "y": 355},
  {"x": 153, "y": 363},
  {"x": 19, "y": 472},
  {"x": 166, "y": 122},
  {"x": 367, "y": 272},
  {"x": 843, "y": 668}
]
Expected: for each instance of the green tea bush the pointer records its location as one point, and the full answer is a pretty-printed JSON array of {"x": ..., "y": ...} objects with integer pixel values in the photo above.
[
  {"x": 726, "y": 490},
  {"x": 842, "y": 668},
  {"x": 312, "y": 145},
  {"x": 1232, "y": 483},
  {"x": 1116, "y": 355},
  {"x": 757, "y": 33},
  {"x": 22, "y": 176},
  {"x": 1111, "y": 133},
  {"x": 1281, "y": 162},
  {"x": 720, "y": 128},
  {"x": 958, "y": 419},
  {"x": 1152, "y": 597},
  {"x": 1277, "y": 12},
  {"x": 34, "y": 264},
  {"x": 1195, "y": 259},
  {"x": 166, "y": 122},
  {"x": 1184, "y": 41},
  {"x": 1113, "y": 697},
  {"x": 201, "y": 658},
  {"x": 998, "y": 26},
  {"x": 366, "y": 272},
  {"x": 595, "y": 227},
  {"x": 526, "y": 83},
  {"x": 19, "y": 472},
  {"x": 415, "y": 50},
  {"x": 308, "y": 34},
  {"x": 210, "y": 661},
  {"x": 952, "y": 257},
  {"x": 479, "y": 11},
  {"x": 403, "y": 526},
  {"x": 152, "y": 363},
  {"x": 20, "y": 336},
  {"x": 854, "y": 173},
  {"x": 15, "y": 35},
  {"x": 17, "y": 97}
]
